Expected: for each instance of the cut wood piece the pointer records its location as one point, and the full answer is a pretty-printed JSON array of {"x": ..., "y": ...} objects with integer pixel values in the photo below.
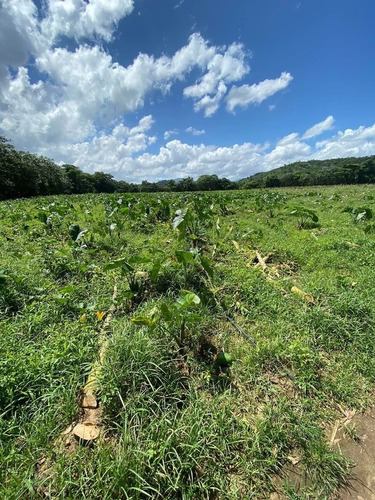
[
  {"x": 89, "y": 401},
  {"x": 302, "y": 294},
  {"x": 236, "y": 245},
  {"x": 89, "y": 425},
  {"x": 267, "y": 257},
  {"x": 261, "y": 261},
  {"x": 86, "y": 432},
  {"x": 68, "y": 430}
]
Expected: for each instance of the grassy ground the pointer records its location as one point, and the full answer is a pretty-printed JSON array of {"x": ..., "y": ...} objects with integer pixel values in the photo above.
[{"x": 178, "y": 425}]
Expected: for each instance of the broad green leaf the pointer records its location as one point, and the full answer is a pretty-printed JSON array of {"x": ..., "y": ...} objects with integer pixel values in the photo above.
[
  {"x": 187, "y": 299},
  {"x": 143, "y": 321},
  {"x": 155, "y": 270},
  {"x": 206, "y": 264},
  {"x": 117, "y": 264},
  {"x": 184, "y": 257},
  {"x": 165, "y": 312}
]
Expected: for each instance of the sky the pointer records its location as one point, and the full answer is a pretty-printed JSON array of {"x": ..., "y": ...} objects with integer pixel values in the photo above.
[{"x": 161, "y": 89}]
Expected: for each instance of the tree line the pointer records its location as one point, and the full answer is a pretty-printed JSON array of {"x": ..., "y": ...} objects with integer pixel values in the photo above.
[{"x": 23, "y": 174}]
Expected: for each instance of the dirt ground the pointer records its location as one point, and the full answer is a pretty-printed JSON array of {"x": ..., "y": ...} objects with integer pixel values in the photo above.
[
  {"x": 361, "y": 451},
  {"x": 354, "y": 436}
]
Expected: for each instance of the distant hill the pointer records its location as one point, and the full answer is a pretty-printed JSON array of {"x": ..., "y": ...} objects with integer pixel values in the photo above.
[{"x": 315, "y": 172}]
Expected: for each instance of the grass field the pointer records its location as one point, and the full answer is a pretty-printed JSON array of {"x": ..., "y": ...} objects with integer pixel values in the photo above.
[{"x": 281, "y": 281}]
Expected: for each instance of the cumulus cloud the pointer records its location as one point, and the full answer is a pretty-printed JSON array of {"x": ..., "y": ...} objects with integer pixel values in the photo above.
[
  {"x": 255, "y": 94},
  {"x": 224, "y": 68},
  {"x": 319, "y": 128},
  {"x": 85, "y": 89},
  {"x": 195, "y": 131},
  {"x": 359, "y": 142},
  {"x": 25, "y": 31},
  {"x": 177, "y": 159},
  {"x": 107, "y": 152},
  {"x": 77, "y": 18},
  {"x": 124, "y": 153},
  {"x": 211, "y": 104},
  {"x": 19, "y": 34}
]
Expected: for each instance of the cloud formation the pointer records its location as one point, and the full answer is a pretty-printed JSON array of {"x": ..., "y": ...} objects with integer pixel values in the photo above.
[
  {"x": 223, "y": 68},
  {"x": 123, "y": 152},
  {"x": 195, "y": 131},
  {"x": 168, "y": 133},
  {"x": 319, "y": 128},
  {"x": 78, "y": 19},
  {"x": 80, "y": 91},
  {"x": 256, "y": 93}
]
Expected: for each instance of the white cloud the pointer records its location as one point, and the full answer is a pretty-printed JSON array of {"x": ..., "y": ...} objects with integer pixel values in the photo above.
[
  {"x": 78, "y": 18},
  {"x": 107, "y": 152},
  {"x": 169, "y": 133},
  {"x": 359, "y": 142},
  {"x": 195, "y": 131},
  {"x": 319, "y": 128},
  {"x": 226, "y": 66},
  {"x": 256, "y": 93},
  {"x": 271, "y": 107},
  {"x": 85, "y": 89},
  {"x": 177, "y": 159},
  {"x": 288, "y": 139},
  {"x": 211, "y": 104},
  {"x": 19, "y": 34},
  {"x": 23, "y": 34}
]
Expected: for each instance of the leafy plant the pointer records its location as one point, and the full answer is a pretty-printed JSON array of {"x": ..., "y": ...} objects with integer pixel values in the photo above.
[
  {"x": 359, "y": 214},
  {"x": 177, "y": 317},
  {"x": 269, "y": 201},
  {"x": 306, "y": 218}
]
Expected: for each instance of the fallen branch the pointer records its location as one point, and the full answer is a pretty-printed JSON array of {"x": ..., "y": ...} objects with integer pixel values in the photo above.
[{"x": 262, "y": 260}]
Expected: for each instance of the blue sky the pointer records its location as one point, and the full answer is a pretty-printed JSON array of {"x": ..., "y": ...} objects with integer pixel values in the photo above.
[{"x": 156, "y": 89}]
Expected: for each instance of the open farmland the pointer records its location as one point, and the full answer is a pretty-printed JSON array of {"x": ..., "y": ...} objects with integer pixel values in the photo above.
[{"x": 223, "y": 335}]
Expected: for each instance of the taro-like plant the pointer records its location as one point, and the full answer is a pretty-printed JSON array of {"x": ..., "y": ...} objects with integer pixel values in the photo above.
[
  {"x": 187, "y": 257},
  {"x": 135, "y": 276},
  {"x": 306, "y": 219},
  {"x": 193, "y": 221},
  {"x": 359, "y": 214},
  {"x": 269, "y": 202},
  {"x": 176, "y": 319}
]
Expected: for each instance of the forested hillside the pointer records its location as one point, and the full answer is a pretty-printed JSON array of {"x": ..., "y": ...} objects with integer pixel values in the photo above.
[{"x": 316, "y": 173}]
